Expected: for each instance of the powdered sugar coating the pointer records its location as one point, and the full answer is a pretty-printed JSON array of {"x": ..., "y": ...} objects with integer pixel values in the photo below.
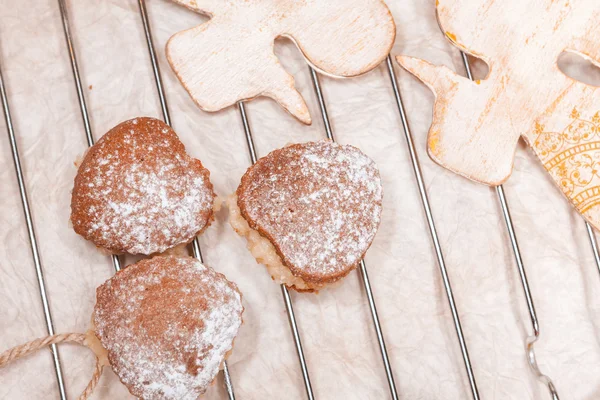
[
  {"x": 137, "y": 191},
  {"x": 319, "y": 204},
  {"x": 167, "y": 324}
]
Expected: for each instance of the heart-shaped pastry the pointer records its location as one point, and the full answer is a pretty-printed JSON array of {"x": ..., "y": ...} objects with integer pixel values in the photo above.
[
  {"x": 167, "y": 325},
  {"x": 137, "y": 191},
  {"x": 309, "y": 212}
]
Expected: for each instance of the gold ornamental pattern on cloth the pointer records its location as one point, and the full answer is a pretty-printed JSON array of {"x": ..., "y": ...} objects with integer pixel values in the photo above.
[{"x": 572, "y": 157}]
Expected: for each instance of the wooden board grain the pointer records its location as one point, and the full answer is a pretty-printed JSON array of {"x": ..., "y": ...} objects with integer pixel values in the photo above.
[
  {"x": 230, "y": 58},
  {"x": 476, "y": 125}
]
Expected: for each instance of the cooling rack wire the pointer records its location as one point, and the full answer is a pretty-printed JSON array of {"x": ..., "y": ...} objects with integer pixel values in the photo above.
[{"x": 287, "y": 298}]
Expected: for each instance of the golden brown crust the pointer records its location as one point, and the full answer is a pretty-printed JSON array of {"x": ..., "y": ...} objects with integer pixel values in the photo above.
[
  {"x": 138, "y": 192},
  {"x": 264, "y": 252},
  {"x": 318, "y": 203},
  {"x": 167, "y": 324}
]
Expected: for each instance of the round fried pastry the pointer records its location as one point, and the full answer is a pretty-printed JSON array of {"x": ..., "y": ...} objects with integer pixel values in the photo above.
[
  {"x": 167, "y": 324},
  {"x": 137, "y": 191},
  {"x": 318, "y": 204}
]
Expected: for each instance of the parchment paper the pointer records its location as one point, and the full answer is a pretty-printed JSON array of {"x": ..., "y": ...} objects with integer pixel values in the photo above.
[{"x": 337, "y": 332}]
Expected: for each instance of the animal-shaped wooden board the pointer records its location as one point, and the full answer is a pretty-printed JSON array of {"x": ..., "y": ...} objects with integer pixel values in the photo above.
[
  {"x": 230, "y": 58},
  {"x": 476, "y": 125}
]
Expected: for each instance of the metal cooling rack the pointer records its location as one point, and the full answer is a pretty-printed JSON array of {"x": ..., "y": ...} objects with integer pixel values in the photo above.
[{"x": 117, "y": 262}]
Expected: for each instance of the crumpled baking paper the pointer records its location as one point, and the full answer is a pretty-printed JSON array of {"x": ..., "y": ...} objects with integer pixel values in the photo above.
[{"x": 337, "y": 332}]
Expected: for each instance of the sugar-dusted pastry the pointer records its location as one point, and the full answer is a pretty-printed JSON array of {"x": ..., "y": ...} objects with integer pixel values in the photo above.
[
  {"x": 340, "y": 38},
  {"x": 137, "y": 191},
  {"x": 477, "y": 124},
  {"x": 167, "y": 324},
  {"x": 309, "y": 212}
]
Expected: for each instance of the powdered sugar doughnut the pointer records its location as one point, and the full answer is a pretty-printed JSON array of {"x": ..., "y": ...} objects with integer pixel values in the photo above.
[
  {"x": 309, "y": 212},
  {"x": 167, "y": 324},
  {"x": 137, "y": 191}
]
